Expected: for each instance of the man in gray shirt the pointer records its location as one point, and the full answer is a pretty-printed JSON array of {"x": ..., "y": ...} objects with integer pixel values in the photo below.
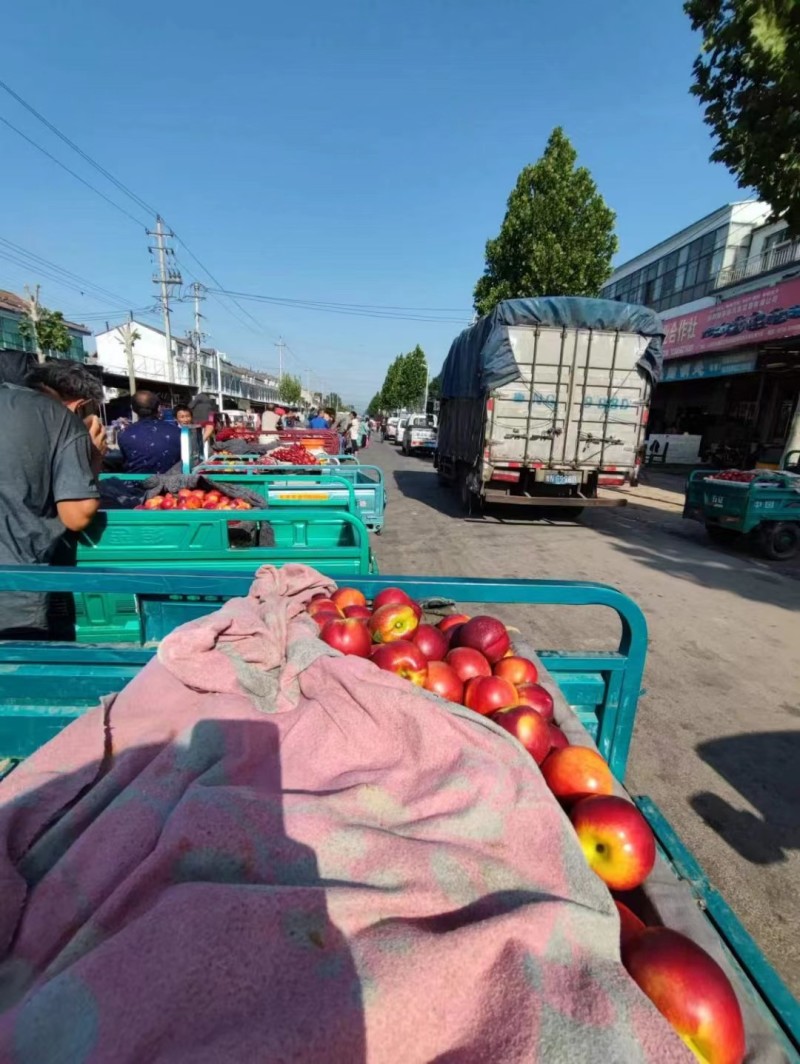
[{"x": 52, "y": 446}]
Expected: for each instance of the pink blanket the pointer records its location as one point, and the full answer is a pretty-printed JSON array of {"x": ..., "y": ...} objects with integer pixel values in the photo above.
[{"x": 262, "y": 851}]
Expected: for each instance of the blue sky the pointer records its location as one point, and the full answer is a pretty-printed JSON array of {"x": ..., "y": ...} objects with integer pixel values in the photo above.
[{"x": 355, "y": 152}]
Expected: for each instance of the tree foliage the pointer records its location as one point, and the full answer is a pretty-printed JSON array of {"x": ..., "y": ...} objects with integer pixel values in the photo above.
[
  {"x": 375, "y": 405},
  {"x": 748, "y": 78},
  {"x": 435, "y": 387},
  {"x": 391, "y": 392},
  {"x": 290, "y": 389},
  {"x": 49, "y": 332},
  {"x": 333, "y": 401},
  {"x": 413, "y": 377},
  {"x": 404, "y": 384},
  {"x": 557, "y": 236}
]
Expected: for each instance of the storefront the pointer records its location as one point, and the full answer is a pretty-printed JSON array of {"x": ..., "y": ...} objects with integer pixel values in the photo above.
[{"x": 732, "y": 375}]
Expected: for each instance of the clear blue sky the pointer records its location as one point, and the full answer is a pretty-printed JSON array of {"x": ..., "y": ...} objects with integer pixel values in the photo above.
[{"x": 354, "y": 152}]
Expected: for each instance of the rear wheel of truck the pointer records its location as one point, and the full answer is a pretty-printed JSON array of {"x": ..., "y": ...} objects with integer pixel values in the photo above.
[
  {"x": 779, "y": 540},
  {"x": 471, "y": 502}
]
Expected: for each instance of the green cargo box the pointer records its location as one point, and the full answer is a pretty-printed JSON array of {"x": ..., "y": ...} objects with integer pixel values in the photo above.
[
  {"x": 367, "y": 483},
  {"x": 44, "y": 686},
  {"x": 325, "y": 537},
  {"x": 767, "y": 506}
]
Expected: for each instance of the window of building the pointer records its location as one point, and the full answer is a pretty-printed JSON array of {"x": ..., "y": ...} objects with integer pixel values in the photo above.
[{"x": 780, "y": 237}]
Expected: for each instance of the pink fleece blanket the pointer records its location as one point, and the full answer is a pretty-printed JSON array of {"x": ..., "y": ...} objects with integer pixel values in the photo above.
[{"x": 262, "y": 851}]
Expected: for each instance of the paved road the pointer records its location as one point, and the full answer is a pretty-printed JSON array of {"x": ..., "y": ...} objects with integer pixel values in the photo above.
[{"x": 717, "y": 743}]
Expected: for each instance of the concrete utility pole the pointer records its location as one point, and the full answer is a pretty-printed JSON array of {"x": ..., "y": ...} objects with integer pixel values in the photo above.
[
  {"x": 128, "y": 337},
  {"x": 167, "y": 278},
  {"x": 280, "y": 346},
  {"x": 197, "y": 335},
  {"x": 33, "y": 312}
]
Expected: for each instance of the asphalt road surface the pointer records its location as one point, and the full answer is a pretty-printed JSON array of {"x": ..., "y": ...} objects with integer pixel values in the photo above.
[{"x": 717, "y": 741}]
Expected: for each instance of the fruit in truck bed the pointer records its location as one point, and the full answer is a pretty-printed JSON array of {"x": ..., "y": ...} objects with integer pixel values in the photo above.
[
  {"x": 194, "y": 499},
  {"x": 558, "y": 739},
  {"x": 348, "y": 596},
  {"x": 444, "y": 681},
  {"x": 516, "y": 670},
  {"x": 431, "y": 642},
  {"x": 347, "y": 635},
  {"x": 533, "y": 694},
  {"x": 396, "y": 620},
  {"x": 317, "y": 604},
  {"x": 390, "y": 595},
  {"x": 576, "y": 772},
  {"x": 691, "y": 991},
  {"x": 529, "y": 727},
  {"x": 629, "y": 924},
  {"x": 616, "y": 840},
  {"x": 362, "y": 613},
  {"x": 486, "y": 634},
  {"x": 486, "y": 694},
  {"x": 468, "y": 663},
  {"x": 449, "y": 622},
  {"x": 402, "y": 658}
]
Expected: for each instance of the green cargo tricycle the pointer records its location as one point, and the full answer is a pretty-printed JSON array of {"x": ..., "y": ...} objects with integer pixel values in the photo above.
[
  {"x": 44, "y": 686},
  {"x": 762, "y": 504}
]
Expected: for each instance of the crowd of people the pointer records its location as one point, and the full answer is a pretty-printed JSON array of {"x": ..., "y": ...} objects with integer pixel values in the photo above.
[{"x": 49, "y": 420}]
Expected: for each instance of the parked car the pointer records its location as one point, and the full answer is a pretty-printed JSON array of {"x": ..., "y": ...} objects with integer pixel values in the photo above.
[
  {"x": 420, "y": 434},
  {"x": 390, "y": 431},
  {"x": 401, "y": 428}
]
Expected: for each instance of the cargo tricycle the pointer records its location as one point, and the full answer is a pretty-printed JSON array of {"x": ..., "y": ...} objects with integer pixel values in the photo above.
[{"x": 47, "y": 685}]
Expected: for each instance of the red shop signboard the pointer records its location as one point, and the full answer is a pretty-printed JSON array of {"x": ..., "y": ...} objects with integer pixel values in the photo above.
[{"x": 766, "y": 314}]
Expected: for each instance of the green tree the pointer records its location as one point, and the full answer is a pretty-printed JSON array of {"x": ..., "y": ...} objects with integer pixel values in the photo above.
[
  {"x": 392, "y": 391},
  {"x": 748, "y": 78},
  {"x": 375, "y": 405},
  {"x": 557, "y": 236},
  {"x": 49, "y": 332},
  {"x": 334, "y": 401},
  {"x": 413, "y": 378},
  {"x": 290, "y": 389},
  {"x": 435, "y": 387}
]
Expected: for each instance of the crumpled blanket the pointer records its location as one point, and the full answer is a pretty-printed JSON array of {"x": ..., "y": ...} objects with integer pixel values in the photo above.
[{"x": 263, "y": 851}]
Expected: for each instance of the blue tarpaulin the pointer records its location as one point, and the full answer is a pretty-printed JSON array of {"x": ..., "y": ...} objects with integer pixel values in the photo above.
[{"x": 481, "y": 358}]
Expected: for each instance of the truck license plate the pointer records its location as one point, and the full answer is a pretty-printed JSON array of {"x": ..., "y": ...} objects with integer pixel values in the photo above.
[{"x": 561, "y": 478}]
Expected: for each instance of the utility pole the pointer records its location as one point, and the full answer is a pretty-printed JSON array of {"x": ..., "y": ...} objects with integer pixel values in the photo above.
[
  {"x": 168, "y": 277},
  {"x": 33, "y": 312},
  {"x": 280, "y": 346},
  {"x": 128, "y": 337},
  {"x": 197, "y": 335}
]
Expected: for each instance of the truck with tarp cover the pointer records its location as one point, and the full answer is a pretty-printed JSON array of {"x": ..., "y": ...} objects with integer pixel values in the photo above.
[{"x": 544, "y": 400}]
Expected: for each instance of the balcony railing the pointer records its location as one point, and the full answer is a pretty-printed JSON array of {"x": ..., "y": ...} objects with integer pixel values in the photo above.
[{"x": 771, "y": 259}]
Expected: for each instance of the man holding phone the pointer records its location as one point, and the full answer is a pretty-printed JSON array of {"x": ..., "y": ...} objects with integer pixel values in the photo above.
[{"x": 54, "y": 444}]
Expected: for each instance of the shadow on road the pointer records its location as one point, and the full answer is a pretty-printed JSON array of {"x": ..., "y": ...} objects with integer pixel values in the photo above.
[
  {"x": 704, "y": 563},
  {"x": 763, "y": 769},
  {"x": 423, "y": 486}
]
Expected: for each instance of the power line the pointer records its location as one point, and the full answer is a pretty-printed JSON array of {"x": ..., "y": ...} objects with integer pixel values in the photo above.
[
  {"x": 125, "y": 189},
  {"x": 75, "y": 147},
  {"x": 38, "y": 262},
  {"x": 77, "y": 176},
  {"x": 353, "y": 309}
]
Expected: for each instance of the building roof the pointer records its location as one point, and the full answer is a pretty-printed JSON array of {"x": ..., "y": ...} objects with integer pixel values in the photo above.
[{"x": 16, "y": 305}]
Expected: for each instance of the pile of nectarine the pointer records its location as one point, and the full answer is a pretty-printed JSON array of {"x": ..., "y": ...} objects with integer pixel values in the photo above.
[
  {"x": 470, "y": 660},
  {"x": 194, "y": 499}
]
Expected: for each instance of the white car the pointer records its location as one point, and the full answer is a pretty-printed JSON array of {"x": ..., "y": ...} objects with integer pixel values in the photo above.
[
  {"x": 390, "y": 432},
  {"x": 420, "y": 434},
  {"x": 401, "y": 428}
]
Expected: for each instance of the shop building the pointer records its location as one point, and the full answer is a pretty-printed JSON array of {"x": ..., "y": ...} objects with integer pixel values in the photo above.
[{"x": 732, "y": 347}]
